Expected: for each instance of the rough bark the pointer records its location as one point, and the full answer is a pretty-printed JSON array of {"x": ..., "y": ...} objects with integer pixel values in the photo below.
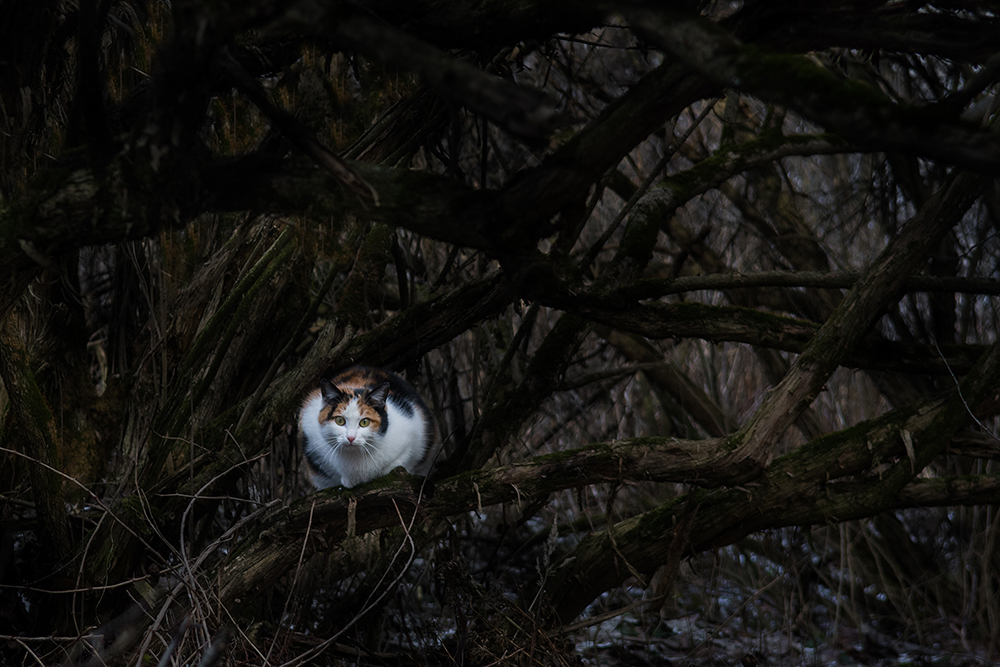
[{"x": 793, "y": 491}]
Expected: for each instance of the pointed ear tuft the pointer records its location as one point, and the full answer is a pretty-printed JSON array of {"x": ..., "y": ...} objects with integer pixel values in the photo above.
[
  {"x": 331, "y": 395},
  {"x": 376, "y": 395}
]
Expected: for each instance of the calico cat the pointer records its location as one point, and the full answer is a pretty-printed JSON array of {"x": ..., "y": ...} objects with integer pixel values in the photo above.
[{"x": 362, "y": 424}]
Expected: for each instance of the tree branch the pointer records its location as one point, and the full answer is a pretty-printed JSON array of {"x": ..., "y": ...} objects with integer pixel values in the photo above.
[
  {"x": 798, "y": 481},
  {"x": 719, "y": 324},
  {"x": 791, "y": 491},
  {"x": 524, "y": 112},
  {"x": 856, "y": 111},
  {"x": 264, "y": 557},
  {"x": 652, "y": 288},
  {"x": 294, "y": 130},
  {"x": 948, "y": 35},
  {"x": 855, "y": 314}
]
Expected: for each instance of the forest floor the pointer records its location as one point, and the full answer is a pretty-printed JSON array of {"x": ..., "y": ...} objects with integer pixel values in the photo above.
[{"x": 691, "y": 640}]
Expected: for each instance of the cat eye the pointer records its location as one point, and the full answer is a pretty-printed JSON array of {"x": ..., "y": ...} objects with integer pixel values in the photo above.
[
  {"x": 339, "y": 421},
  {"x": 364, "y": 422}
]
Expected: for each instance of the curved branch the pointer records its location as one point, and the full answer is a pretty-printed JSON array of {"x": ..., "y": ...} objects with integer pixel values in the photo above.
[
  {"x": 430, "y": 204},
  {"x": 722, "y": 518},
  {"x": 734, "y": 324},
  {"x": 524, "y": 112},
  {"x": 951, "y": 491},
  {"x": 276, "y": 545},
  {"x": 854, "y": 110},
  {"x": 854, "y": 315},
  {"x": 799, "y": 481},
  {"x": 295, "y": 131},
  {"x": 793, "y": 490},
  {"x": 886, "y": 28},
  {"x": 653, "y": 288},
  {"x": 481, "y": 27}
]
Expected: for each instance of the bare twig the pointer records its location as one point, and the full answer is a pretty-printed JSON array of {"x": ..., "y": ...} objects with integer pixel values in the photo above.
[
  {"x": 216, "y": 649},
  {"x": 372, "y": 603},
  {"x": 295, "y": 579}
]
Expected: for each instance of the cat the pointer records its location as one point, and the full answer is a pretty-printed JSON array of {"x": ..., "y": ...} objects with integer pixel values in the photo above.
[{"x": 362, "y": 424}]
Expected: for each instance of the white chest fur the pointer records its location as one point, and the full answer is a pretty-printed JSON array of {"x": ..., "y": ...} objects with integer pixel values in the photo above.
[{"x": 333, "y": 460}]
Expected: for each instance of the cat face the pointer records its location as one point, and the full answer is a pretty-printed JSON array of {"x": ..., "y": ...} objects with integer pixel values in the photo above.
[
  {"x": 362, "y": 424},
  {"x": 353, "y": 417}
]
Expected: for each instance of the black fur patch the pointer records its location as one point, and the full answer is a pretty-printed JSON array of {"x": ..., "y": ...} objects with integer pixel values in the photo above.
[{"x": 362, "y": 380}]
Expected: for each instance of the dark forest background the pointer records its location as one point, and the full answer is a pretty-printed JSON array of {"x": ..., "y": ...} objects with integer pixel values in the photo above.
[{"x": 703, "y": 296}]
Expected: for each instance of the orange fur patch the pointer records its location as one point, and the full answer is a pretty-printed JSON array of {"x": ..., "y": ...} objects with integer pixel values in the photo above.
[{"x": 350, "y": 383}]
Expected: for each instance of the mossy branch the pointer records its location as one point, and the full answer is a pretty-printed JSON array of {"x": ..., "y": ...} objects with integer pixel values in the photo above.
[
  {"x": 724, "y": 515},
  {"x": 719, "y": 324},
  {"x": 859, "y": 309},
  {"x": 792, "y": 491}
]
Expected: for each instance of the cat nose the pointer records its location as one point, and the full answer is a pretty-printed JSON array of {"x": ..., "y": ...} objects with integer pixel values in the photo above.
[{"x": 350, "y": 438}]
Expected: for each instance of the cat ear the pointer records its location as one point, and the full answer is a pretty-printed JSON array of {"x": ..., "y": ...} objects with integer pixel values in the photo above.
[
  {"x": 377, "y": 395},
  {"x": 331, "y": 394}
]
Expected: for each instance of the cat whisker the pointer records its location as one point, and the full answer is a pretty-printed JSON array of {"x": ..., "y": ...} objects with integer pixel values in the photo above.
[
  {"x": 389, "y": 422},
  {"x": 369, "y": 449}
]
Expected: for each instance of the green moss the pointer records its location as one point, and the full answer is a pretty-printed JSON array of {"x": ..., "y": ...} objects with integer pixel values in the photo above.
[
  {"x": 639, "y": 238},
  {"x": 849, "y": 451},
  {"x": 137, "y": 515},
  {"x": 601, "y": 448},
  {"x": 757, "y": 67},
  {"x": 801, "y": 83}
]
